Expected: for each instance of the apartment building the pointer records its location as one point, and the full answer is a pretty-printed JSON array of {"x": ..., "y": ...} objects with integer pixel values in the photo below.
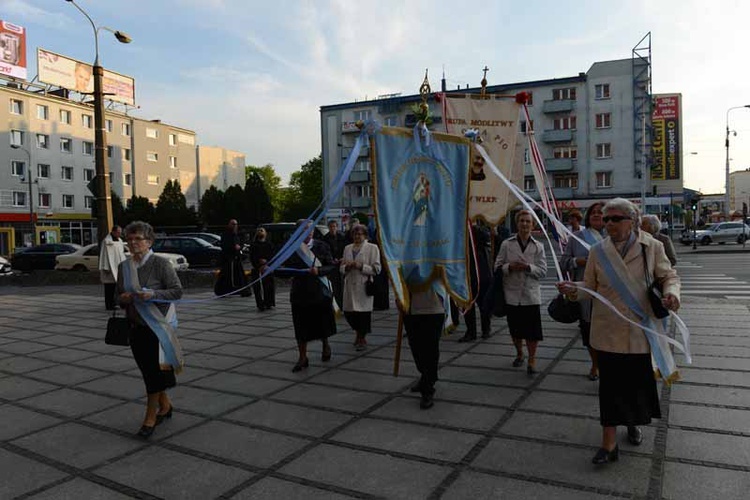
[
  {"x": 589, "y": 129},
  {"x": 218, "y": 167},
  {"x": 739, "y": 189}
]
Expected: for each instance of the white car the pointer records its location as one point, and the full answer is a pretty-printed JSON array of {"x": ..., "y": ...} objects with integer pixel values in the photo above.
[
  {"x": 5, "y": 269},
  {"x": 87, "y": 259}
]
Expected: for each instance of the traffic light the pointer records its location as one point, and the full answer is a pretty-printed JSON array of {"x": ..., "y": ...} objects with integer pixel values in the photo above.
[{"x": 694, "y": 204}]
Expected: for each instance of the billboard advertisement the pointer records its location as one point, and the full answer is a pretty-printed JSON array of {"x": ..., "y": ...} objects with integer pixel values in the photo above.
[
  {"x": 12, "y": 50},
  {"x": 666, "y": 147},
  {"x": 71, "y": 74}
]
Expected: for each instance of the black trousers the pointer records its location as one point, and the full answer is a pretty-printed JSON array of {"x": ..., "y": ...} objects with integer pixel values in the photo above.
[
  {"x": 145, "y": 348},
  {"x": 423, "y": 332},
  {"x": 109, "y": 295},
  {"x": 471, "y": 321},
  {"x": 265, "y": 290}
]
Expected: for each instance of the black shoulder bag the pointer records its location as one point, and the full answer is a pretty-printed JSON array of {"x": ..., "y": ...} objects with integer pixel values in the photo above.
[
  {"x": 118, "y": 330},
  {"x": 654, "y": 291}
]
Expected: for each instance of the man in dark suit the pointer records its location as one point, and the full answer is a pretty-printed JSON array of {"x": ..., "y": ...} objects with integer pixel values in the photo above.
[{"x": 336, "y": 242}]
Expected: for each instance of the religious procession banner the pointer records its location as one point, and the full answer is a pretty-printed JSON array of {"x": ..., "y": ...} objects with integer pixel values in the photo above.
[
  {"x": 421, "y": 202},
  {"x": 496, "y": 121}
]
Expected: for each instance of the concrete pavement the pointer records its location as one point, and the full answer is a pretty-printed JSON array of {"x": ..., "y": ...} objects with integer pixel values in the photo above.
[{"x": 246, "y": 427}]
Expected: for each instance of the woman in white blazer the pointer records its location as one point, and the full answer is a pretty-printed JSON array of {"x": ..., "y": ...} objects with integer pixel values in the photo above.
[
  {"x": 524, "y": 263},
  {"x": 360, "y": 263}
]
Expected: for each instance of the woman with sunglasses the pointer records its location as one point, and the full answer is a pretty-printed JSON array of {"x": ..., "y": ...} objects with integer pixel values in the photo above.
[
  {"x": 620, "y": 268},
  {"x": 573, "y": 261}
]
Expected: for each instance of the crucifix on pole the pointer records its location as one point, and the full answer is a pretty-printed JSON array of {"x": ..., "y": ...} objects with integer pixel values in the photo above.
[{"x": 484, "y": 80}]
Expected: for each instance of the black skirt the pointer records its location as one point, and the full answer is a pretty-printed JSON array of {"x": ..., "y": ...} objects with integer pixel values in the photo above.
[
  {"x": 524, "y": 322},
  {"x": 627, "y": 389},
  {"x": 359, "y": 321},
  {"x": 313, "y": 321}
]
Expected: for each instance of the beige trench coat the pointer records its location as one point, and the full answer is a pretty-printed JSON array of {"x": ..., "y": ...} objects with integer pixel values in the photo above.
[{"x": 355, "y": 298}]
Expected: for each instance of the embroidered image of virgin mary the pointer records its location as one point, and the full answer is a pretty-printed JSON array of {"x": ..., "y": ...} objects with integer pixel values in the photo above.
[{"x": 421, "y": 197}]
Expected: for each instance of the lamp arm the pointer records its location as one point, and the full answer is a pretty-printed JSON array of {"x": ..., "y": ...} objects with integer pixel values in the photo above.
[{"x": 93, "y": 26}]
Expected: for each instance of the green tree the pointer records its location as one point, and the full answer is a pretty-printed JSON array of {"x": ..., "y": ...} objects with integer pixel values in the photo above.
[
  {"x": 259, "y": 207},
  {"x": 212, "y": 207},
  {"x": 271, "y": 184},
  {"x": 171, "y": 208},
  {"x": 118, "y": 210},
  {"x": 235, "y": 205},
  {"x": 139, "y": 208},
  {"x": 305, "y": 190}
]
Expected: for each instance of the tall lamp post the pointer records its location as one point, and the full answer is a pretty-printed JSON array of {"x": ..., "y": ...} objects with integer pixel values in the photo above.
[
  {"x": 31, "y": 196},
  {"x": 727, "y": 211},
  {"x": 103, "y": 194}
]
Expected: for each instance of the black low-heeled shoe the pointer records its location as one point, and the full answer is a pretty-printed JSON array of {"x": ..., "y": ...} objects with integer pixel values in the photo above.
[
  {"x": 146, "y": 430},
  {"x": 635, "y": 435},
  {"x": 161, "y": 417},
  {"x": 326, "y": 354},
  {"x": 604, "y": 456},
  {"x": 299, "y": 366},
  {"x": 518, "y": 362}
]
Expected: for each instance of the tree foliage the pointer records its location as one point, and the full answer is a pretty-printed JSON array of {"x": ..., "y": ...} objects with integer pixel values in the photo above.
[
  {"x": 257, "y": 200},
  {"x": 212, "y": 207},
  {"x": 139, "y": 208},
  {"x": 271, "y": 184},
  {"x": 235, "y": 204},
  {"x": 171, "y": 208},
  {"x": 305, "y": 190}
]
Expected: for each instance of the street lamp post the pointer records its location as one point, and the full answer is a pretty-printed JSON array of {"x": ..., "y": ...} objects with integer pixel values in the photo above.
[
  {"x": 31, "y": 196},
  {"x": 727, "y": 210},
  {"x": 103, "y": 193}
]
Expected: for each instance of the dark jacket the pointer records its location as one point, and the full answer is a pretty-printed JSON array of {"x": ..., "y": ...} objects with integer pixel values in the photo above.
[
  {"x": 336, "y": 242},
  {"x": 306, "y": 288},
  {"x": 260, "y": 250},
  {"x": 228, "y": 241}
]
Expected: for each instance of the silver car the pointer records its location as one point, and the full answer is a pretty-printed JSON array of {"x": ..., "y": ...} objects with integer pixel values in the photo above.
[{"x": 723, "y": 232}]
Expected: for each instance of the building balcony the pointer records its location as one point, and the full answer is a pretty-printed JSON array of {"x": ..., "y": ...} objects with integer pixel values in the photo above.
[
  {"x": 359, "y": 176},
  {"x": 557, "y": 135},
  {"x": 359, "y": 202},
  {"x": 363, "y": 152},
  {"x": 559, "y": 106},
  {"x": 562, "y": 193},
  {"x": 559, "y": 164}
]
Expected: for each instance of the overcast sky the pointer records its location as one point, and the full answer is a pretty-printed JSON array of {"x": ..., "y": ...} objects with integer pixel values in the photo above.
[{"x": 251, "y": 75}]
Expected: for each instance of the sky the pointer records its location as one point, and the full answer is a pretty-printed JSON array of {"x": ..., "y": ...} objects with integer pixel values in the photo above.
[{"x": 251, "y": 75}]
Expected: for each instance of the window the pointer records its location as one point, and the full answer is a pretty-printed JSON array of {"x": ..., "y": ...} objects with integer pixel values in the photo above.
[
  {"x": 604, "y": 150},
  {"x": 151, "y": 156},
  {"x": 152, "y": 133},
  {"x": 127, "y": 179},
  {"x": 42, "y": 141},
  {"x": 66, "y": 145},
  {"x": 17, "y": 168},
  {"x": 566, "y": 181},
  {"x": 125, "y": 129},
  {"x": 67, "y": 173},
  {"x": 88, "y": 174},
  {"x": 110, "y": 149},
  {"x": 67, "y": 200},
  {"x": 87, "y": 148},
  {"x": 565, "y": 152},
  {"x": 42, "y": 112},
  {"x": 173, "y": 162},
  {"x": 604, "y": 179},
  {"x": 524, "y": 126},
  {"x": 16, "y": 107},
  {"x": 564, "y": 94},
  {"x": 529, "y": 184},
  {"x": 108, "y": 125},
  {"x": 361, "y": 191},
  {"x": 152, "y": 179},
  {"x": 19, "y": 199},
  {"x": 42, "y": 171},
  {"x": 529, "y": 98},
  {"x": 16, "y": 138},
  {"x": 567, "y": 123},
  {"x": 88, "y": 202},
  {"x": 173, "y": 139},
  {"x": 363, "y": 115},
  {"x": 44, "y": 200},
  {"x": 186, "y": 139},
  {"x": 87, "y": 121},
  {"x": 526, "y": 156},
  {"x": 603, "y": 120},
  {"x": 125, "y": 153},
  {"x": 65, "y": 116},
  {"x": 391, "y": 121},
  {"x": 601, "y": 91}
]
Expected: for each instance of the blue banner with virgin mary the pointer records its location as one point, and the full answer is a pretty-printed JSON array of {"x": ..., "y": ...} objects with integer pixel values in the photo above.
[{"x": 421, "y": 203}]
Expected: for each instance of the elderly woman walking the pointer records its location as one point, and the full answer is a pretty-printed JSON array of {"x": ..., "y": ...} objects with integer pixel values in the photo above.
[
  {"x": 524, "y": 263},
  {"x": 360, "y": 263},
  {"x": 573, "y": 261},
  {"x": 146, "y": 276},
  {"x": 652, "y": 225},
  {"x": 620, "y": 268}
]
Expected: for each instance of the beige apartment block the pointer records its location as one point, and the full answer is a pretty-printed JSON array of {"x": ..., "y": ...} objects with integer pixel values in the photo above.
[
  {"x": 739, "y": 189},
  {"x": 218, "y": 167}
]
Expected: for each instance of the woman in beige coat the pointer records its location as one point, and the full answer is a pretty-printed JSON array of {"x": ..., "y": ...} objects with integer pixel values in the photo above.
[
  {"x": 524, "y": 263},
  {"x": 360, "y": 263},
  {"x": 627, "y": 386}
]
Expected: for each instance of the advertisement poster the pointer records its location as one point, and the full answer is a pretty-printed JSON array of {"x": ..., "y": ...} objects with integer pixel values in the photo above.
[
  {"x": 61, "y": 71},
  {"x": 12, "y": 50},
  {"x": 666, "y": 148},
  {"x": 496, "y": 120}
]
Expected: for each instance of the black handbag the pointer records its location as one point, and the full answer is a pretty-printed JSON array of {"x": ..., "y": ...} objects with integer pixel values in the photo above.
[
  {"x": 370, "y": 288},
  {"x": 118, "y": 331},
  {"x": 564, "y": 310},
  {"x": 494, "y": 299},
  {"x": 654, "y": 292}
]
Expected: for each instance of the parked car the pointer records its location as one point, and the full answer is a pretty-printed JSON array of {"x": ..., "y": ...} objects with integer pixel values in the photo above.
[
  {"x": 722, "y": 232},
  {"x": 198, "y": 252},
  {"x": 87, "y": 259},
  {"x": 5, "y": 268},
  {"x": 279, "y": 232},
  {"x": 41, "y": 256},
  {"x": 211, "y": 238}
]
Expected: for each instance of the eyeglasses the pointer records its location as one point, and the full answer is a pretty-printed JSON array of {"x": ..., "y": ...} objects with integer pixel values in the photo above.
[
  {"x": 134, "y": 239},
  {"x": 615, "y": 218}
]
